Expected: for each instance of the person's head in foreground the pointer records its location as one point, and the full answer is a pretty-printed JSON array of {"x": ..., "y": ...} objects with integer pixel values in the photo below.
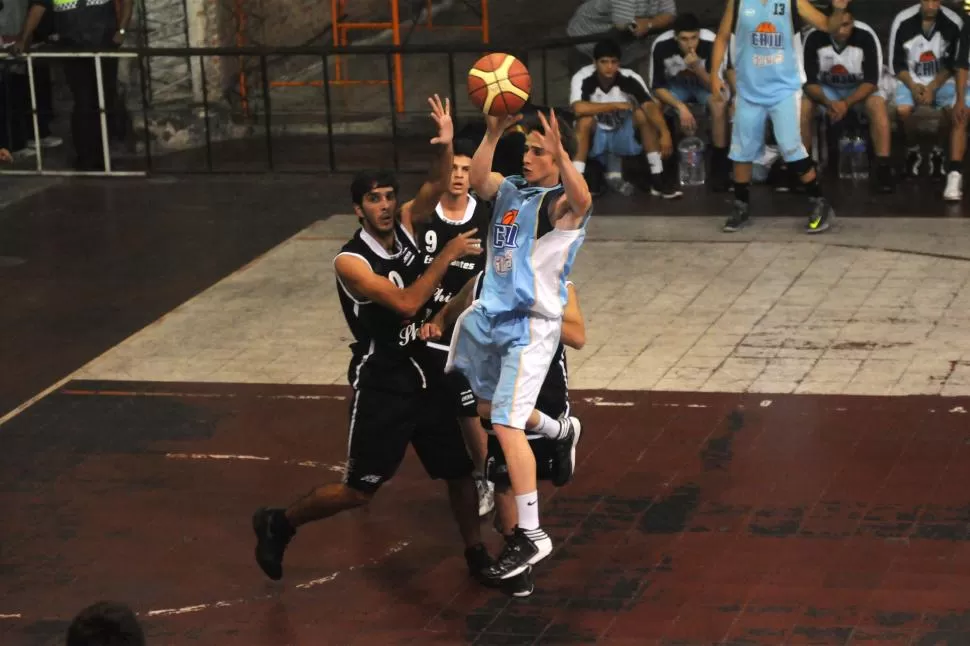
[{"x": 105, "y": 623}]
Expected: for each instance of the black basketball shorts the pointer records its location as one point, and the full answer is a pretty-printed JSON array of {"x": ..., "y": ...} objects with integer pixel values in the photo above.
[
  {"x": 382, "y": 424},
  {"x": 466, "y": 404}
]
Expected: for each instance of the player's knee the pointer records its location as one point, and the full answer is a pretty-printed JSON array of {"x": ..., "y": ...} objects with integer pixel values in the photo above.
[
  {"x": 802, "y": 167},
  {"x": 585, "y": 125},
  {"x": 904, "y": 111}
]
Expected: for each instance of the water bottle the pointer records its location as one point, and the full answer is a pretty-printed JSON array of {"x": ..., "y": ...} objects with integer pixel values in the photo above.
[
  {"x": 860, "y": 160},
  {"x": 691, "y": 152},
  {"x": 846, "y": 170}
]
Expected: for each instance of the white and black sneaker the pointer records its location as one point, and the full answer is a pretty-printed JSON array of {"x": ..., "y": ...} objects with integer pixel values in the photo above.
[
  {"x": 954, "y": 187},
  {"x": 486, "y": 496},
  {"x": 566, "y": 450},
  {"x": 522, "y": 549},
  {"x": 914, "y": 163},
  {"x": 937, "y": 164}
]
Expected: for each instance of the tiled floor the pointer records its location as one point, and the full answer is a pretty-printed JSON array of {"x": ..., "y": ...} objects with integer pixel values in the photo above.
[{"x": 670, "y": 306}]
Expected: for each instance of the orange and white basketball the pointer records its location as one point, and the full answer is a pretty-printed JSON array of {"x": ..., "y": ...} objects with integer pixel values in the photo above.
[{"x": 499, "y": 84}]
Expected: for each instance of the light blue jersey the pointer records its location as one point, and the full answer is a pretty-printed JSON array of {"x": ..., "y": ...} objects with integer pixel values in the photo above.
[
  {"x": 768, "y": 50},
  {"x": 528, "y": 260}
]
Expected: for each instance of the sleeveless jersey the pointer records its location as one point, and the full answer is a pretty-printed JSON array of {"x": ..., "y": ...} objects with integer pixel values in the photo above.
[
  {"x": 767, "y": 50},
  {"x": 439, "y": 232},
  {"x": 553, "y": 397},
  {"x": 386, "y": 345},
  {"x": 528, "y": 260}
]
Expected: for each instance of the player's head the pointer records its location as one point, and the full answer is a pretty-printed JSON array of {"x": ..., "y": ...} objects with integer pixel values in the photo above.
[
  {"x": 606, "y": 55},
  {"x": 105, "y": 623},
  {"x": 374, "y": 193},
  {"x": 463, "y": 151},
  {"x": 538, "y": 164},
  {"x": 929, "y": 9},
  {"x": 848, "y": 22},
  {"x": 687, "y": 31}
]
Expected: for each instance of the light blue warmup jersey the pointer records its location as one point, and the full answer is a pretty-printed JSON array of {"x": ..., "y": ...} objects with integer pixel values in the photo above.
[
  {"x": 528, "y": 260},
  {"x": 768, "y": 50}
]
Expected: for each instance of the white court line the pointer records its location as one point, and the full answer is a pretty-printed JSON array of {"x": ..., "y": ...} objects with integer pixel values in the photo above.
[
  {"x": 228, "y": 603},
  {"x": 33, "y": 400},
  {"x": 339, "y": 468},
  {"x": 599, "y": 401}
]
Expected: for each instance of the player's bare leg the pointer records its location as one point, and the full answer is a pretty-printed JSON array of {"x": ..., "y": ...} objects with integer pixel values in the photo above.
[{"x": 720, "y": 166}]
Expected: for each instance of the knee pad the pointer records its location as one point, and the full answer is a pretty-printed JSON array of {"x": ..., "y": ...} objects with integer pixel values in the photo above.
[{"x": 802, "y": 166}]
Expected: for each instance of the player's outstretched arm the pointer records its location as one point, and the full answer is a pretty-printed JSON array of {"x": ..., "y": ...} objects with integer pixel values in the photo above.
[
  {"x": 422, "y": 206},
  {"x": 720, "y": 46},
  {"x": 573, "y": 326},
  {"x": 447, "y": 315},
  {"x": 574, "y": 184},
  {"x": 829, "y": 24},
  {"x": 360, "y": 280},
  {"x": 483, "y": 181}
]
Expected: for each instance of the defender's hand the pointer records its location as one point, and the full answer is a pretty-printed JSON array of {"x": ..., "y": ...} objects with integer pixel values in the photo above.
[
  {"x": 464, "y": 245},
  {"x": 441, "y": 113}
]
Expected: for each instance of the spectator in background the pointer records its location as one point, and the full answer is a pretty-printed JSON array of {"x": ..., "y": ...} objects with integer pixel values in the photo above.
[
  {"x": 842, "y": 71},
  {"x": 105, "y": 623},
  {"x": 922, "y": 43},
  {"x": 625, "y": 21},
  {"x": 680, "y": 74},
  {"x": 89, "y": 24},
  {"x": 611, "y": 105}
]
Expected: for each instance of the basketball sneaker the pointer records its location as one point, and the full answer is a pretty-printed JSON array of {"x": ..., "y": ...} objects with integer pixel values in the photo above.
[
  {"x": 738, "y": 219},
  {"x": 822, "y": 213},
  {"x": 566, "y": 450},
  {"x": 273, "y": 534},
  {"x": 486, "y": 496},
  {"x": 522, "y": 549},
  {"x": 521, "y": 585}
]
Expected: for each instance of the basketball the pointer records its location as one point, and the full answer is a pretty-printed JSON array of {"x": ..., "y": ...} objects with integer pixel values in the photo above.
[{"x": 499, "y": 84}]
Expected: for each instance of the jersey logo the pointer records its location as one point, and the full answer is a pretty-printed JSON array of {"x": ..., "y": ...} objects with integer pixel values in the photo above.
[
  {"x": 766, "y": 36},
  {"x": 927, "y": 65},
  {"x": 503, "y": 263},
  {"x": 839, "y": 75},
  {"x": 506, "y": 232}
]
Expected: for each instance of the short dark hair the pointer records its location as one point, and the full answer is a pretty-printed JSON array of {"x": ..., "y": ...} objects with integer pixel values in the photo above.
[
  {"x": 686, "y": 22},
  {"x": 464, "y": 147},
  {"x": 530, "y": 121},
  {"x": 607, "y": 49},
  {"x": 105, "y": 623},
  {"x": 829, "y": 10},
  {"x": 367, "y": 180}
]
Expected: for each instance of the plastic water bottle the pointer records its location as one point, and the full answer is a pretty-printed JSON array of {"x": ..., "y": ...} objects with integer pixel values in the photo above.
[
  {"x": 846, "y": 150},
  {"x": 691, "y": 151},
  {"x": 860, "y": 160}
]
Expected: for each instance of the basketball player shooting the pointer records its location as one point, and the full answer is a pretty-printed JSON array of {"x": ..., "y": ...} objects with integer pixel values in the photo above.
[
  {"x": 768, "y": 67},
  {"x": 505, "y": 343}
]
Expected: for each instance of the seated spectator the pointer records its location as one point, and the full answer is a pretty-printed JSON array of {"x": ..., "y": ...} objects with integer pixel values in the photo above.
[
  {"x": 105, "y": 623},
  {"x": 922, "y": 43},
  {"x": 680, "y": 74},
  {"x": 611, "y": 105},
  {"x": 842, "y": 72},
  {"x": 625, "y": 21}
]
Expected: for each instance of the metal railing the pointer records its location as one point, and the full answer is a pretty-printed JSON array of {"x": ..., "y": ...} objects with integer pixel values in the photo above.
[{"x": 265, "y": 117}]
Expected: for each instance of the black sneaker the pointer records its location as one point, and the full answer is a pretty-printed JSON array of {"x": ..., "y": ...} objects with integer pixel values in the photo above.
[
  {"x": 738, "y": 219},
  {"x": 821, "y": 216},
  {"x": 884, "y": 178},
  {"x": 661, "y": 186},
  {"x": 273, "y": 534},
  {"x": 521, "y": 585},
  {"x": 914, "y": 162},
  {"x": 566, "y": 451},
  {"x": 478, "y": 561},
  {"x": 523, "y": 549},
  {"x": 937, "y": 166}
]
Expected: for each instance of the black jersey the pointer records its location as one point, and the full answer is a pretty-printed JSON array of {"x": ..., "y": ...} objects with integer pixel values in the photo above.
[
  {"x": 437, "y": 233},
  {"x": 667, "y": 66},
  {"x": 858, "y": 60},
  {"x": 386, "y": 345},
  {"x": 922, "y": 54}
]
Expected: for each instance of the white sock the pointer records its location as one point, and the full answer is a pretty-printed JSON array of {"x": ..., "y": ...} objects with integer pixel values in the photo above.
[
  {"x": 614, "y": 165},
  {"x": 548, "y": 427},
  {"x": 656, "y": 163},
  {"x": 580, "y": 166},
  {"x": 528, "y": 507}
]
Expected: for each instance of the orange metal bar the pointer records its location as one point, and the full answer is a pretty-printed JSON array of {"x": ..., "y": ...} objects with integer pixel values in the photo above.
[
  {"x": 398, "y": 68},
  {"x": 485, "y": 21}
]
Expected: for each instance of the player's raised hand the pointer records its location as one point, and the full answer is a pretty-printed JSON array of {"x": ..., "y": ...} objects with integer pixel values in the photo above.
[
  {"x": 497, "y": 126},
  {"x": 551, "y": 138},
  {"x": 441, "y": 113},
  {"x": 430, "y": 331},
  {"x": 840, "y": 4},
  {"x": 464, "y": 245}
]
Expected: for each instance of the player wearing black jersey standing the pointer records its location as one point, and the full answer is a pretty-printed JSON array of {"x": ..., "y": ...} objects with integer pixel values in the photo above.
[
  {"x": 553, "y": 401},
  {"x": 458, "y": 212},
  {"x": 384, "y": 285}
]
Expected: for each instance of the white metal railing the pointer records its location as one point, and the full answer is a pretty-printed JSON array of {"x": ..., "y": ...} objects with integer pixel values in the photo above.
[{"x": 40, "y": 170}]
